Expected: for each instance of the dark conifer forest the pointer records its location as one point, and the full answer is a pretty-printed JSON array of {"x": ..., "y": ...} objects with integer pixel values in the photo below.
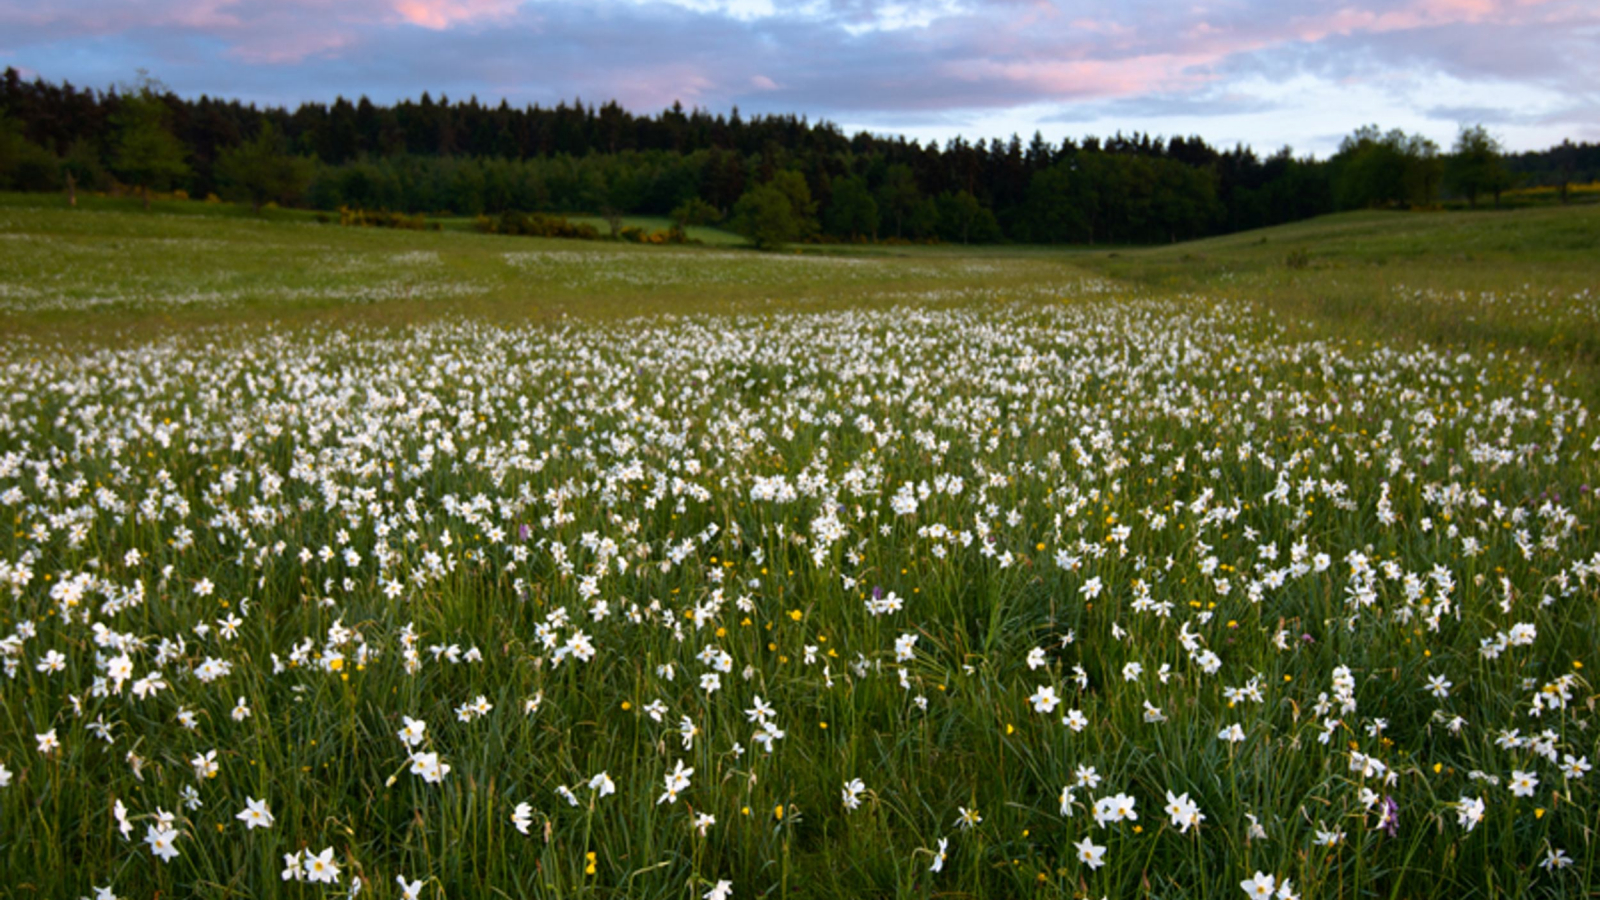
[{"x": 440, "y": 155}]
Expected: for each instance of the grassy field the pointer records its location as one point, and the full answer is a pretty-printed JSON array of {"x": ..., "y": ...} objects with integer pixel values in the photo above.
[
  {"x": 1528, "y": 278},
  {"x": 451, "y": 565},
  {"x": 102, "y": 273}
]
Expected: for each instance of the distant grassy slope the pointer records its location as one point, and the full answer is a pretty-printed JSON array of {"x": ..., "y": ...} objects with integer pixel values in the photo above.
[
  {"x": 714, "y": 237},
  {"x": 88, "y": 202},
  {"x": 1526, "y": 278},
  {"x": 113, "y": 271},
  {"x": 710, "y": 236},
  {"x": 93, "y": 203}
]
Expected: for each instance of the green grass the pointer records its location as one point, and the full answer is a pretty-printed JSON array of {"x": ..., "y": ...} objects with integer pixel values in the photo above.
[
  {"x": 1110, "y": 457},
  {"x": 707, "y": 235},
  {"x": 1525, "y": 278},
  {"x": 102, "y": 273},
  {"x": 100, "y": 203}
]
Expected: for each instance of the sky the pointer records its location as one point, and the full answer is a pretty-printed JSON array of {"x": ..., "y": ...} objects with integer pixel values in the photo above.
[{"x": 1267, "y": 73}]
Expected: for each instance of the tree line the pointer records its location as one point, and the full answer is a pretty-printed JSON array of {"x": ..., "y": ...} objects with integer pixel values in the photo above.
[{"x": 776, "y": 178}]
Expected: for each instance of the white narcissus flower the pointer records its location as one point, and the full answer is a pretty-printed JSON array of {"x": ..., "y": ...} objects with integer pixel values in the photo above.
[
  {"x": 320, "y": 868},
  {"x": 1257, "y": 832},
  {"x": 703, "y": 822},
  {"x": 162, "y": 841},
  {"x": 119, "y": 669},
  {"x": 119, "y": 812},
  {"x": 676, "y": 781},
  {"x": 429, "y": 766},
  {"x": 1115, "y": 808},
  {"x": 1575, "y": 767},
  {"x": 1469, "y": 812},
  {"x": 1090, "y": 854},
  {"x": 905, "y": 647},
  {"x": 1185, "y": 813},
  {"x": 853, "y": 789},
  {"x": 414, "y": 731},
  {"x": 205, "y": 765},
  {"x": 1259, "y": 886},
  {"x": 1555, "y": 858},
  {"x": 1044, "y": 700},
  {"x": 1066, "y": 801},
  {"x": 255, "y": 814},
  {"x": 522, "y": 817}
]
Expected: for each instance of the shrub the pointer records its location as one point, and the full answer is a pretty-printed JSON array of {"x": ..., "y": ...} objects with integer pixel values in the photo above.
[
  {"x": 535, "y": 225},
  {"x": 382, "y": 218}
]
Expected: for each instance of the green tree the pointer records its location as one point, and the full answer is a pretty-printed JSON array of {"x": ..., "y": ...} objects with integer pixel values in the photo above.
[
  {"x": 1183, "y": 201},
  {"x": 898, "y": 196},
  {"x": 261, "y": 169},
  {"x": 923, "y": 219},
  {"x": 147, "y": 154},
  {"x": 1564, "y": 160},
  {"x": 793, "y": 185},
  {"x": 24, "y": 165},
  {"x": 1375, "y": 168},
  {"x": 1371, "y": 168},
  {"x": 962, "y": 217},
  {"x": 695, "y": 211},
  {"x": 1424, "y": 170},
  {"x": 1475, "y": 166},
  {"x": 1057, "y": 207},
  {"x": 81, "y": 169},
  {"x": 766, "y": 216},
  {"x": 853, "y": 212}
]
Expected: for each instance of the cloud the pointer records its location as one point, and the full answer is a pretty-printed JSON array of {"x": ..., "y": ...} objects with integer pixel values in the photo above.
[
  {"x": 887, "y": 63},
  {"x": 441, "y": 14}
]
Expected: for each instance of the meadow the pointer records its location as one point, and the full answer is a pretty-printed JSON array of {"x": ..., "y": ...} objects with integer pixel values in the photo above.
[{"x": 347, "y": 562}]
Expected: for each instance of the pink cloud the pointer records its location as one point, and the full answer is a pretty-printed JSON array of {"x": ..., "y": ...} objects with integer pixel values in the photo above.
[
  {"x": 1069, "y": 66},
  {"x": 304, "y": 46},
  {"x": 1422, "y": 14},
  {"x": 441, "y": 14},
  {"x": 659, "y": 86},
  {"x": 273, "y": 32},
  {"x": 1092, "y": 77}
]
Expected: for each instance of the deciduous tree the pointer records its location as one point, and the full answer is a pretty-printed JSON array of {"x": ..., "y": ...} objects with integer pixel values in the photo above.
[
  {"x": 261, "y": 169},
  {"x": 1475, "y": 166},
  {"x": 147, "y": 154}
]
